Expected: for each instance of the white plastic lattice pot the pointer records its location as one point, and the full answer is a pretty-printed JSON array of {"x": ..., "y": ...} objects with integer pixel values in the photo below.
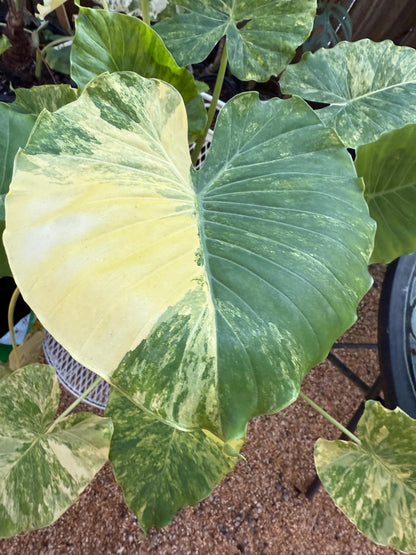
[{"x": 72, "y": 375}]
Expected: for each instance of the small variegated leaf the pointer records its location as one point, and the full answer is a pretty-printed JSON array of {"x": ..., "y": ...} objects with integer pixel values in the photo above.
[
  {"x": 49, "y": 97},
  {"x": 374, "y": 483},
  {"x": 262, "y": 36},
  {"x": 388, "y": 167},
  {"x": 109, "y": 41},
  {"x": 160, "y": 468},
  {"x": 371, "y": 87},
  {"x": 43, "y": 470},
  {"x": 233, "y": 281}
]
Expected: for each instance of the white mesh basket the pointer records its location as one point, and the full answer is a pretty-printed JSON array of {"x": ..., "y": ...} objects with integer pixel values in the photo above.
[{"x": 72, "y": 375}]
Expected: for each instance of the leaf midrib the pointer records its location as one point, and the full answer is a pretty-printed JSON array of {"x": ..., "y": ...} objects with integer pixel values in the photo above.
[{"x": 349, "y": 101}]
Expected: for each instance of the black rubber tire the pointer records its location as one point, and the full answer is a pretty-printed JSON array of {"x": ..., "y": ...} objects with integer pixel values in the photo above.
[{"x": 397, "y": 334}]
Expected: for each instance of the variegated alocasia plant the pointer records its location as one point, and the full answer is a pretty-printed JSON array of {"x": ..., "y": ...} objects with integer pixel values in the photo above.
[{"x": 204, "y": 297}]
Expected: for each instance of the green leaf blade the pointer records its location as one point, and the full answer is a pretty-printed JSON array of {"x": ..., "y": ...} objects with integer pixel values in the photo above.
[
  {"x": 371, "y": 87},
  {"x": 160, "y": 468},
  {"x": 374, "y": 483},
  {"x": 43, "y": 472},
  {"x": 388, "y": 167},
  {"x": 108, "y": 41},
  {"x": 262, "y": 36}
]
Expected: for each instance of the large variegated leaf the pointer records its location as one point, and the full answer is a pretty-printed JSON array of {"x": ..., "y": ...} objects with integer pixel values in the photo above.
[
  {"x": 109, "y": 41},
  {"x": 371, "y": 87},
  {"x": 262, "y": 36},
  {"x": 374, "y": 483},
  {"x": 228, "y": 284},
  {"x": 42, "y": 471},
  {"x": 162, "y": 469},
  {"x": 388, "y": 167}
]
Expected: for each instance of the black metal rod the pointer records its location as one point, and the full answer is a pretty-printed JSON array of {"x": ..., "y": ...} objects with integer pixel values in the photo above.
[
  {"x": 349, "y": 373},
  {"x": 347, "y": 345}
]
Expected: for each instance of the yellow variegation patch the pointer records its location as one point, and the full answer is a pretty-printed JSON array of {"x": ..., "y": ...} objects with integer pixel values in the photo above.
[{"x": 119, "y": 217}]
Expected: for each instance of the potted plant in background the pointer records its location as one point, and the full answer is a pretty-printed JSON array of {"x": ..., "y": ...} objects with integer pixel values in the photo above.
[{"x": 204, "y": 297}]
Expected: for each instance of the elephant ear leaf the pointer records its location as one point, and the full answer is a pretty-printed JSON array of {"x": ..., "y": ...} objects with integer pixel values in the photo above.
[
  {"x": 232, "y": 284},
  {"x": 370, "y": 87},
  {"x": 388, "y": 167},
  {"x": 109, "y": 41},
  {"x": 160, "y": 468},
  {"x": 43, "y": 470},
  {"x": 262, "y": 36},
  {"x": 374, "y": 483}
]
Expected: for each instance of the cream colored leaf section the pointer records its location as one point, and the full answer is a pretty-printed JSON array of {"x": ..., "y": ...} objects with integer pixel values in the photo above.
[
  {"x": 47, "y": 7},
  {"x": 113, "y": 233}
]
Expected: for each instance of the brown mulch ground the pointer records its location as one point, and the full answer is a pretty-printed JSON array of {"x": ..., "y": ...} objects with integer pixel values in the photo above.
[{"x": 261, "y": 507}]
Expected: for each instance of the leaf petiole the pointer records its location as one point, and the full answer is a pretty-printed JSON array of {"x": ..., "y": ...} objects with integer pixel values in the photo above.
[
  {"x": 145, "y": 12},
  {"x": 330, "y": 418},
  {"x": 10, "y": 321},
  {"x": 74, "y": 404},
  {"x": 215, "y": 96}
]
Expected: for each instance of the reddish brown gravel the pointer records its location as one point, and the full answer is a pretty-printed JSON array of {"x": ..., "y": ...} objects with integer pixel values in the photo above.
[{"x": 261, "y": 507}]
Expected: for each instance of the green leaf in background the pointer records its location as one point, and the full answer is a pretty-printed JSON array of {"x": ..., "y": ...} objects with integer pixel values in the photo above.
[
  {"x": 109, "y": 41},
  {"x": 262, "y": 36},
  {"x": 4, "y": 44},
  {"x": 16, "y": 122},
  {"x": 235, "y": 279},
  {"x": 160, "y": 468},
  {"x": 371, "y": 87},
  {"x": 374, "y": 483},
  {"x": 15, "y": 130},
  {"x": 50, "y": 97},
  {"x": 43, "y": 472},
  {"x": 58, "y": 56},
  {"x": 388, "y": 167}
]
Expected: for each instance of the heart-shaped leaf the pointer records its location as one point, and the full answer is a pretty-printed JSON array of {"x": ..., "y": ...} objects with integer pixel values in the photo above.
[
  {"x": 43, "y": 471},
  {"x": 262, "y": 36},
  {"x": 388, "y": 167},
  {"x": 160, "y": 468},
  {"x": 228, "y": 284},
  {"x": 109, "y": 41},
  {"x": 370, "y": 86},
  {"x": 374, "y": 483}
]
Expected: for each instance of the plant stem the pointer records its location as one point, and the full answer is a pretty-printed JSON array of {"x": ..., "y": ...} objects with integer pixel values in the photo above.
[
  {"x": 10, "y": 321},
  {"x": 74, "y": 404},
  {"x": 145, "y": 11},
  {"x": 211, "y": 111},
  {"x": 330, "y": 418}
]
